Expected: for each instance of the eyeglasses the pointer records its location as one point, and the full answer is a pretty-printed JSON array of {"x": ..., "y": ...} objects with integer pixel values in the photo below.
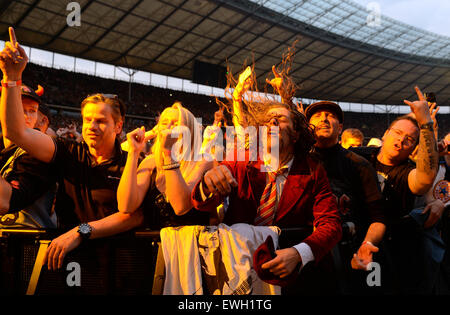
[{"x": 408, "y": 140}]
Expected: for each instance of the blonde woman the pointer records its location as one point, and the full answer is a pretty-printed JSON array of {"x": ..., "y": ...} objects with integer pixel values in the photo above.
[{"x": 166, "y": 177}]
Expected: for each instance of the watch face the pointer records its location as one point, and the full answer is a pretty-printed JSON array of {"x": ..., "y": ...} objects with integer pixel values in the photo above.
[{"x": 84, "y": 228}]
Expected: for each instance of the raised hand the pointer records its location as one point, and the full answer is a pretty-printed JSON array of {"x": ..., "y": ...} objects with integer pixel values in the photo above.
[
  {"x": 13, "y": 59},
  {"x": 243, "y": 85},
  {"x": 300, "y": 108},
  {"x": 433, "y": 112},
  {"x": 136, "y": 140},
  {"x": 276, "y": 82},
  {"x": 151, "y": 134},
  {"x": 168, "y": 140},
  {"x": 218, "y": 117},
  {"x": 420, "y": 108}
]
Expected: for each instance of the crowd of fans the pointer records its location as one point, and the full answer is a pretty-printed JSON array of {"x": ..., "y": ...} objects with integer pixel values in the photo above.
[
  {"x": 150, "y": 101},
  {"x": 311, "y": 214}
]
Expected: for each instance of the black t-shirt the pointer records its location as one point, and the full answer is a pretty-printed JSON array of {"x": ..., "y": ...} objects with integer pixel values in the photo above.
[
  {"x": 87, "y": 190},
  {"x": 399, "y": 200},
  {"x": 29, "y": 177},
  {"x": 162, "y": 214},
  {"x": 352, "y": 175}
]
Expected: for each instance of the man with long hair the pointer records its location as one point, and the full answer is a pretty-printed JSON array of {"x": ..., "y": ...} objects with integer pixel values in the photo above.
[{"x": 295, "y": 195}]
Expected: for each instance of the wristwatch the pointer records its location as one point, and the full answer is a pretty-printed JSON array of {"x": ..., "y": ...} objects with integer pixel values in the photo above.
[{"x": 85, "y": 230}]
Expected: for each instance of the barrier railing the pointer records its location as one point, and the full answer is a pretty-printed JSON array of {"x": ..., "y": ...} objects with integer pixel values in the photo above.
[{"x": 120, "y": 265}]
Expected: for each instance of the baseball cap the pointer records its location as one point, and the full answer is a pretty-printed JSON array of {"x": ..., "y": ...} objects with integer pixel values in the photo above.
[
  {"x": 34, "y": 95},
  {"x": 328, "y": 105}
]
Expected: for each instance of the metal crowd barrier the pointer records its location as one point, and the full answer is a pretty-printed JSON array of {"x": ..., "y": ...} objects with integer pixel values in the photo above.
[
  {"x": 124, "y": 264},
  {"x": 119, "y": 265}
]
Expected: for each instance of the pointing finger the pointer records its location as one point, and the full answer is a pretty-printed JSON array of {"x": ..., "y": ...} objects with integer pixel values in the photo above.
[
  {"x": 12, "y": 36},
  {"x": 419, "y": 94}
]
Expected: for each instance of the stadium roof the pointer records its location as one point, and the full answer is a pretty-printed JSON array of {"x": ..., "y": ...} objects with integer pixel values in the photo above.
[{"x": 339, "y": 55}]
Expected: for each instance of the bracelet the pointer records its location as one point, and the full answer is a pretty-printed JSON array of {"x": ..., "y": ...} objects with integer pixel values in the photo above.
[
  {"x": 8, "y": 84},
  {"x": 367, "y": 242},
  {"x": 171, "y": 166},
  {"x": 427, "y": 126}
]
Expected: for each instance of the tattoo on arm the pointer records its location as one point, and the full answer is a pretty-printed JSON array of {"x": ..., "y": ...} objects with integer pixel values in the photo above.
[{"x": 427, "y": 155}]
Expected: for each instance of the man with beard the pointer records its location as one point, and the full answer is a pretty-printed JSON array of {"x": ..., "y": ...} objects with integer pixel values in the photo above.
[{"x": 354, "y": 183}]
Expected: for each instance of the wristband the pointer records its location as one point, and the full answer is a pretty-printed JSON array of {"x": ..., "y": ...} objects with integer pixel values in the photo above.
[
  {"x": 427, "y": 126},
  {"x": 8, "y": 84},
  {"x": 171, "y": 166},
  {"x": 367, "y": 242}
]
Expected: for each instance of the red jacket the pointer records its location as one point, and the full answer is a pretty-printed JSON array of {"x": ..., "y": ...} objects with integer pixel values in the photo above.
[{"x": 306, "y": 200}]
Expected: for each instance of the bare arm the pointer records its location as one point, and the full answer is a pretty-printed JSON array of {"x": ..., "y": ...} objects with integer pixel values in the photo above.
[
  {"x": 242, "y": 86},
  {"x": 135, "y": 181},
  {"x": 179, "y": 194},
  {"x": 12, "y": 63},
  {"x": 422, "y": 177},
  {"x": 364, "y": 256},
  {"x": 110, "y": 225},
  {"x": 179, "y": 189},
  {"x": 115, "y": 224},
  {"x": 375, "y": 233}
]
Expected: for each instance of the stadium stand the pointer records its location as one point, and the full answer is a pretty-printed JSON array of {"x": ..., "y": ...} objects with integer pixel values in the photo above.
[{"x": 149, "y": 101}]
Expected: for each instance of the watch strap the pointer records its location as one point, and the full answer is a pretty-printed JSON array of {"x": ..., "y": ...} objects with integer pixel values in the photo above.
[
  {"x": 81, "y": 230},
  {"x": 428, "y": 125}
]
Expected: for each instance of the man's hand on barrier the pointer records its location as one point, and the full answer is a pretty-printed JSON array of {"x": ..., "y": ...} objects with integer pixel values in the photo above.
[
  {"x": 59, "y": 248},
  {"x": 284, "y": 263}
]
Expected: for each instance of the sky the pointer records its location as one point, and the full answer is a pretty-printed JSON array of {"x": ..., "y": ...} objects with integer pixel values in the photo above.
[{"x": 430, "y": 15}]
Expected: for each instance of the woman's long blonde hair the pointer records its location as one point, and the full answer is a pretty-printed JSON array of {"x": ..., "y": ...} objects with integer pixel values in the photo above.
[{"x": 188, "y": 160}]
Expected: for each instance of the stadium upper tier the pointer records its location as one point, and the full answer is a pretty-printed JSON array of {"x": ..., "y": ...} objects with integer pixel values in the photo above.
[
  {"x": 344, "y": 53},
  {"x": 363, "y": 24}
]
